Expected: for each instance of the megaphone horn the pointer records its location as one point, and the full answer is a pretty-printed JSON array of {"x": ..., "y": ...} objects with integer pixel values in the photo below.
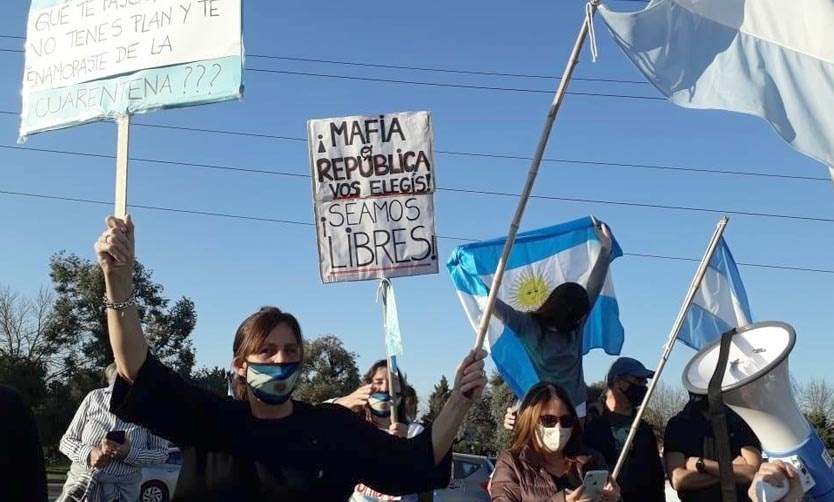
[{"x": 756, "y": 385}]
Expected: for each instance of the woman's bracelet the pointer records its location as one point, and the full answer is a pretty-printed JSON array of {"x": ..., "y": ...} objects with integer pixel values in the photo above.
[{"x": 130, "y": 302}]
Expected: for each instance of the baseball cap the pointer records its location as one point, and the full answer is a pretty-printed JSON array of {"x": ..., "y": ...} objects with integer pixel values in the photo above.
[{"x": 627, "y": 366}]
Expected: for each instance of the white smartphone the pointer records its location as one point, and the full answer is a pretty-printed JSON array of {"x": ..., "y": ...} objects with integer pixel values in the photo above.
[{"x": 594, "y": 483}]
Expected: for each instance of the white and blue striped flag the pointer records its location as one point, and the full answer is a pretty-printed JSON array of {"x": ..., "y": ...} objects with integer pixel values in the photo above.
[
  {"x": 540, "y": 260},
  {"x": 773, "y": 59},
  {"x": 720, "y": 303}
]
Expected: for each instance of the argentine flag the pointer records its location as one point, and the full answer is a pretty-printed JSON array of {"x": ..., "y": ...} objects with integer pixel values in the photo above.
[
  {"x": 720, "y": 304},
  {"x": 539, "y": 261},
  {"x": 773, "y": 59}
]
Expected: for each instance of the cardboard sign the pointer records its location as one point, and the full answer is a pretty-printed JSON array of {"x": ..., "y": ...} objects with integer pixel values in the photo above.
[
  {"x": 93, "y": 59},
  {"x": 373, "y": 196}
]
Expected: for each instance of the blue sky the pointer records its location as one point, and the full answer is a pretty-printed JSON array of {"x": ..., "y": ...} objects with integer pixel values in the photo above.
[{"x": 230, "y": 267}]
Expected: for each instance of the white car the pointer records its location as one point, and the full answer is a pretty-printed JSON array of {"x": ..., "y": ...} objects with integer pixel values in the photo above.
[
  {"x": 470, "y": 480},
  {"x": 160, "y": 480}
]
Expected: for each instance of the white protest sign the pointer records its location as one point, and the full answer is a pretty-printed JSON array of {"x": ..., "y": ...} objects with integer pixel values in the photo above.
[
  {"x": 373, "y": 195},
  {"x": 91, "y": 59}
]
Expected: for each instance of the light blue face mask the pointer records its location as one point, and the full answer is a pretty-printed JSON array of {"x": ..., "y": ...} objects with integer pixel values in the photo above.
[
  {"x": 380, "y": 404},
  {"x": 272, "y": 383}
]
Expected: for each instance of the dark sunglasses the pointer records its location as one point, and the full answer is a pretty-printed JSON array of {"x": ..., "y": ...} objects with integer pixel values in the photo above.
[{"x": 566, "y": 421}]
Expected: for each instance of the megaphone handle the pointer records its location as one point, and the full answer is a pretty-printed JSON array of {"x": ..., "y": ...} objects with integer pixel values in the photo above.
[{"x": 719, "y": 420}]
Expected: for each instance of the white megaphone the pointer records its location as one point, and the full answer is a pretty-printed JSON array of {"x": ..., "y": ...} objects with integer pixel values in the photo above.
[{"x": 757, "y": 387}]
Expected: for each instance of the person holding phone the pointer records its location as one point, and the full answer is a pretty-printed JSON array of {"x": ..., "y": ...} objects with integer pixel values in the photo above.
[
  {"x": 547, "y": 460},
  {"x": 261, "y": 445},
  {"x": 107, "y": 453}
]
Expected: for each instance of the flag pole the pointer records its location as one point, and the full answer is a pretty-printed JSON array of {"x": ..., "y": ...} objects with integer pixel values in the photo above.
[
  {"x": 122, "y": 149},
  {"x": 534, "y": 170},
  {"x": 384, "y": 285},
  {"x": 670, "y": 343}
]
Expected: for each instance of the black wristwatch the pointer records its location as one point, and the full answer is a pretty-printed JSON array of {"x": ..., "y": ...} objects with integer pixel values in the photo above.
[{"x": 699, "y": 465}]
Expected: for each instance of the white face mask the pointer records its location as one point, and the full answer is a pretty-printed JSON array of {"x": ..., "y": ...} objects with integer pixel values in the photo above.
[{"x": 553, "y": 439}]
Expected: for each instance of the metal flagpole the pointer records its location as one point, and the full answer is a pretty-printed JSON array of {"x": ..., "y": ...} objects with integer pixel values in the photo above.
[
  {"x": 670, "y": 343},
  {"x": 534, "y": 170}
]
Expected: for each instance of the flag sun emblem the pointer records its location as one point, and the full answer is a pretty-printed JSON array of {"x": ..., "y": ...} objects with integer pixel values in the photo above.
[{"x": 529, "y": 290}]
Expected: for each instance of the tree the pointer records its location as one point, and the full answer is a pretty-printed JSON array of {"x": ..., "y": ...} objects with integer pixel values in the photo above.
[
  {"x": 666, "y": 402},
  {"x": 596, "y": 391},
  {"x": 329, "y": 370},
  {"x": 816, "y": 397},
  {"x": 80, "y": 321},
  {"x": 824, "y": 427},
  {"x": 502, "y": 398},
  {"x": 215, "y": 379},
  {"x": 437, "y": 399},
  {"x": 24, "y": 340},
  {"x": 477, "y": 435}
]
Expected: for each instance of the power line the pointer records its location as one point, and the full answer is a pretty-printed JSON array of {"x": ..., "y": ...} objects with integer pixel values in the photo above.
[
  {"x": 447, "y": 85},
  {"x": 450, "y": 85},
  {"x": 310, "y": 224},
  {"x": 158, "y": 161},
  {"x": 649, "y": 206},
  {"x": 458, "y": 190},
  {"x": 660, "y": 167},
  {"x": 431, "y": 69}
]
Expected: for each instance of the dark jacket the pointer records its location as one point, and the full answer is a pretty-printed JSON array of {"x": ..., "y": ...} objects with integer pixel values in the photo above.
[
  {"x": 317, "y": 453},
  {"x": 22, "y": 471},
  {"x": 642, "y": 478},
  {"x": 521, "y": 476}
]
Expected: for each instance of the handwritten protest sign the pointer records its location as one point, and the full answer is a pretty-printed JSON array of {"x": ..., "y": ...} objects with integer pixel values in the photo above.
[
  {"x": 93, "y": 59},
  {"x": 373, "y": 195}
]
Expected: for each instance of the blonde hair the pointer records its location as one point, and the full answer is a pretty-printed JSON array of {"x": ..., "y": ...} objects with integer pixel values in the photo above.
[{"x": 109, "y": 372}]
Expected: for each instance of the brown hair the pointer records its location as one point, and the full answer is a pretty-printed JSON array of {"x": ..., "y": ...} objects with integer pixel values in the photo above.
[
  {"x": 369, "y": 378},
  {"x": 528, "y": 419},
  {"x": 369, "y": 375},
  {"x": 251, "y": 334},
  {"x": 565, "y": 307}
]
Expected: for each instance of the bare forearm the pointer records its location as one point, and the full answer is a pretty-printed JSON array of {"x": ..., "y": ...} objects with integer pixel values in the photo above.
[
  {"x": 596, "y": 280},
  {"x": 742, "y": 473},
  {"x": 446, "y": 425},
  {"x": 129, "y": 345},
  {"x": 683, "y": 479}
]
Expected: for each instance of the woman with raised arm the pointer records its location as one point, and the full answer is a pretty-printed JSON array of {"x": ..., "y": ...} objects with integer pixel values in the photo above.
[{"x": 262, "y": 445}]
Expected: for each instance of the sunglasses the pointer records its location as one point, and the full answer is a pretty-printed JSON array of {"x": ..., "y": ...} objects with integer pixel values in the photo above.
[{"x": 566, "y": 421}]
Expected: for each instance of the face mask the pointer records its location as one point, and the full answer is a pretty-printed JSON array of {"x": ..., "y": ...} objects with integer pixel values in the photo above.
[
  {"x": 380, "y": 404},
  {"x": 272, "y": 383},
  {"x": 635, "y": 394},
  {"x": 553, "y": 439}
]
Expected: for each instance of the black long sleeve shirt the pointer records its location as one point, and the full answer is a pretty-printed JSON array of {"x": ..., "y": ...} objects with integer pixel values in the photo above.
[
  {"x": 316, "y": 453},
  {"x": 22, "y": 471}
]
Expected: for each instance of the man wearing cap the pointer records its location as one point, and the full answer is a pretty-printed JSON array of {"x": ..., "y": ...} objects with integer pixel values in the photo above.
[{"x": 642, "y": 478}]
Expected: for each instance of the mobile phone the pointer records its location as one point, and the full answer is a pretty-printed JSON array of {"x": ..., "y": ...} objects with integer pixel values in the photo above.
[
  {"x": 594, "y": 483},
  {"x": 116, "y": 436}
]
